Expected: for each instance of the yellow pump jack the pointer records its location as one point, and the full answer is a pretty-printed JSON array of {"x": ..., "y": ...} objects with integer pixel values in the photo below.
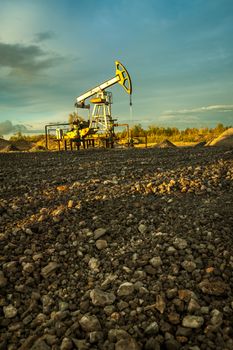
[{"x": 100, "y": 121}]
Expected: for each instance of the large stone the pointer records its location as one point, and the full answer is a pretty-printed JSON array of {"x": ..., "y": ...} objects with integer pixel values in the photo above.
[
  {"x": 174, "y": 318},
  {"x": 81, "y": 344},
  {"x": 28, "y": 342},
  {"x": 28, "y": 268},
  {"x": 171, "y": 344},
  {"x": 125, "y": 289},
  {"x": 192, "y": 321},
  {"x": 152, "y": 329},
  {"x": 180, "y": 243},
  {"x": 101, "y": 244},
  {"x": 152, "y": 344},
  {"x": 186, "y": 294},
  {"x": 100, "y": 298},
  {"x": 10, "y": 267},
  {"x": 117, "y": 334},
  {"x": 127, "y": 344},
  {"x": 9, "y": 311},
  {"x": 213, "y": 287},
  {"x": 49, "y": 269},
  {"x": 66, "y": 344},
  {"x": 189, "y": 266},
  {"x": 142, "y": 228},
  {"x": 160, "y": 304},
  {"x": 90, "y": 323},
  {"x": 216, "y": 317},
  {"x": 99, "y": 232},
  {"x": 156, "y": 261},
  {"x": 95, "y": 337},
  {"x": 94, "y": 264},
  {"x": 193, "y": 305}
]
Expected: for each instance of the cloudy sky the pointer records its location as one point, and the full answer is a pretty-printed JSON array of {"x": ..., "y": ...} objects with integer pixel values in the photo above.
[{"x": 179, "y": 54}]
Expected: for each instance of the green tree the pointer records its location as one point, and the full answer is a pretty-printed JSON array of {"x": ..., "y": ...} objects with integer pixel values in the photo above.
[
  {"x": 74, "y": 117},
  {"x": 137, "y": 131},
  {"x": 18, "y": 136}
]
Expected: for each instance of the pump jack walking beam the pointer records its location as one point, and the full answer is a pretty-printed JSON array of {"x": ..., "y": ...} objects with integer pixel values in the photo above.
[{"x": 122, "y": 77}]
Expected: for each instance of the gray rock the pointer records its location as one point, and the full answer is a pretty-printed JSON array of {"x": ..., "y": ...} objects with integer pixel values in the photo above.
[
  {"x": 81, "y": 344},
  {"x": 47, "y": 303},
  {"x": 109, "y": 309},
  {"x": 204, "y": 310},
  {"x": 193, "y": 305},
  {"x": 142, "y": 228},
  {"x": 216, "y": 288},
  {"x": 108, "y": 281},
  {"x": 49, "y": 269},
  {"x": 101, "y": 244},
  {"x": 9, "y": 311},
  {"x": 152, "y": 344},
  {"x": 66, "y": 344},
  {"x": 216, "y": 317},
  {"x": 125, "y": 289},
  {"x": 192, "y": 321},
  {"x": 171, "y": 250},
  {"x": 117, "y": 334},
  {"x": 28, "y": 342},
  {"x": 156, "y": 261},
  {"x": 122, "y": 305},
  {"x": 171, "y": 293},
  {"x": 90, "y": 323},
  {"x": 95, "y": 337},
  {"x": 127, "y": 344},
  {"x": 180, "y": 243},
  {"x": 10, "y": 267},
  {"x": 152, "y": 329},
  {"x": 99, "y": 232},
  {"x": 28, "y": 268},
  {"x": 94, "y": 264},
  {"x": 188, "y": 265},
  {"x": 100, "y": 298},
  {"x": 172, "y": 344}
]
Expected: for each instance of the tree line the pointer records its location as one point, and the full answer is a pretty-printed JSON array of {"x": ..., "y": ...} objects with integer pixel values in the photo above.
[
  {"x": 159, "y": 133},
  {"x": 153, "y": 133}
]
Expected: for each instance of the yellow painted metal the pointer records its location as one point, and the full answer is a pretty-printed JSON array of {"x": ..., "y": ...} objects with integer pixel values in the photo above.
[
  {"x": 84, "y": 132},
  {"x": 124, "y": 77},
  {"x": 71, "y": 135},
  {"x": 98, "y": 100}
]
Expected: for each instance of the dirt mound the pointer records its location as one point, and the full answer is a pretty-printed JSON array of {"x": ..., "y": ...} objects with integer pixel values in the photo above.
[
  {"x": 23, "y": 145},
  {"x": 166, "y": 144},
  {"x": 9, "y": 148},
  {"x": 20, "y": 145},
  {"x": 37, "y": 148},
  {"x": 224, "y": 140},
  {"x": 200, "y": 144},
  {"x": 52, "y": 144},
  {"x": 3, "y": 143}
]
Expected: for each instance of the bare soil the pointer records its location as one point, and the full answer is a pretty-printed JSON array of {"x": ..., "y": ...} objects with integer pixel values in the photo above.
[{"x": 117, "y": 249}]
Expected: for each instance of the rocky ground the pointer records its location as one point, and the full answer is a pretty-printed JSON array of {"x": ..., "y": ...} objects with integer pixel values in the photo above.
[{"x": 117, "y": 249}]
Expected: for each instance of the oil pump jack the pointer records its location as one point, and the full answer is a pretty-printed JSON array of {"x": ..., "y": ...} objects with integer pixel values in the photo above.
[{"x": 100, "y": 123}]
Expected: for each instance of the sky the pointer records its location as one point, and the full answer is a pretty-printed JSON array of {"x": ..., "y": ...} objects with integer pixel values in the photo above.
[{"x": 179, "y": 54}]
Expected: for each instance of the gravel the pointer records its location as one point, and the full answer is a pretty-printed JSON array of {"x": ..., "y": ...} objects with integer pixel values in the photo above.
[{"x": 116, "y": 249}]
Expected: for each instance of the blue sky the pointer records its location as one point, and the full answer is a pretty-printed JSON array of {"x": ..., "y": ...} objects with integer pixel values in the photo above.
[{"x": 179, "y": 54}]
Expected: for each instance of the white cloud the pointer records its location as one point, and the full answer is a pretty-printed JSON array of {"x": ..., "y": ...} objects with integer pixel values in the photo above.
[
  {"x": 174, "y": 118},
  {"x": 215, "y": 108}
]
